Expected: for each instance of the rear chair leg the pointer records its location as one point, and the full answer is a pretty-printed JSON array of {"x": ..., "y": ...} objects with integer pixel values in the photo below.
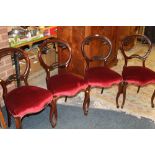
[
  {"x": 53, "y": 113},
  {"x": 86, "y": 101},
  {"x": 138, "y": 89},
  {"x": 102, "y": 90},
  {"x": 152, "y": 98},
  {"x": 66, "y": 99}
]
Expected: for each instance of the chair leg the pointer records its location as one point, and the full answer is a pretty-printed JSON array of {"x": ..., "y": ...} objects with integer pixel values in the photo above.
[
  {"x": 121, "y": 90},
  {"x": 66, "y": 99},
  {"x": 152, "y": 98},
  {"x": 138, "y": 89},
  {"x": 124, "y": 93},
  {"x": 2, "y": 121},
  {"x": 102, "y": 90},
  {"x": 9, "y": 118},
  {"x": 53, "y": 113},
  {"x": 86, "y": 101},
  {"x": 18, "y": 123}
]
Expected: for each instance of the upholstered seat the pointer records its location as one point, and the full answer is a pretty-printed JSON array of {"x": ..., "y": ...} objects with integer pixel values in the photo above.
[
  {"x": 66, "y": 84},
  {"x": 138, "y": 75},
  {"x": 26, "y": 100},
  {"x": 102, "y": 77}
]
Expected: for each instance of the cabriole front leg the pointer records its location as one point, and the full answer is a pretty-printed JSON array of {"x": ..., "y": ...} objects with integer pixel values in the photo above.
[
  {"x": 121, "y": 90},
  {"x": 53, "y": 113},
  {"x": 86, "y": 101}
]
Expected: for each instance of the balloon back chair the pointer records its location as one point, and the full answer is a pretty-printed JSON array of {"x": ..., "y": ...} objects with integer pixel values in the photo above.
[
  {"x": 23, "y": 100},
  {"x": 137, "y": 75},
  {"x": 62, "y": 84},
  {"x": 100, "y": 76}
]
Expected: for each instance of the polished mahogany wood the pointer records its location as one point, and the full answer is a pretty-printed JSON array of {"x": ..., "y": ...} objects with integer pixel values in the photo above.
[{"x": 125, "y": 43}]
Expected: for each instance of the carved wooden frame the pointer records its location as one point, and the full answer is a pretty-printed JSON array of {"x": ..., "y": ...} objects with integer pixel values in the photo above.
[
  {"x": 42, "y": 50},
  {"x": 124, "y": 84},
  {"x": 88, "y": 60}
]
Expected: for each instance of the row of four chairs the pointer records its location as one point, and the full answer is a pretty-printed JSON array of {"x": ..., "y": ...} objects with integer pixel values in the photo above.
[{"x": 26, "y": 100}]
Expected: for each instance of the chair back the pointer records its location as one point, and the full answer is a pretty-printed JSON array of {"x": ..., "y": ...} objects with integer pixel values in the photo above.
[
  {"x": 16, "y": 54},
  {"x": 127, "y": 41},
  {"x": 104, "y": 40},
  {"x": 62, "y": 46}
]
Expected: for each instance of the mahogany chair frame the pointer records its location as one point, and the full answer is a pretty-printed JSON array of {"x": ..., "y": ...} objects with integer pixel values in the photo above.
[
  {"x": 88, "y": 60},
  {"x": 48, "y": 68},
  {"x": 22, "y": 77},
  {"x": 126, "y": 41}
]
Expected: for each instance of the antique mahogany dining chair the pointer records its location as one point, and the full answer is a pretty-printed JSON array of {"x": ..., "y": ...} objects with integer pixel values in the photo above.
[
  {"x": 64, "y": 84},
  {"x": 100, "y": 75},
  {"x": 132, "y": 74},
  {"x": 23, "y": 100}
]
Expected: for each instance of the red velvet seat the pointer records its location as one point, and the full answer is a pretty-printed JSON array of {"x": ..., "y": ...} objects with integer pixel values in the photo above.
[
  {"x": 27, "y": 100},
  {"x": 138, "y": 75},
  {"x": 66, "y": 84},
  {"x": 102, "y": 77}
]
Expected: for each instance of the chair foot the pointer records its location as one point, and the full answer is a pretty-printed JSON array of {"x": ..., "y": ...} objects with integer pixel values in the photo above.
[
  {"x": 86, "y": 102},
  {"x": 53, "y": 113},
  {"x": 152, "y": 106}
]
